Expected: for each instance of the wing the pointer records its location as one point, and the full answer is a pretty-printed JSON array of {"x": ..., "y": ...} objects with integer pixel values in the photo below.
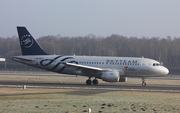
[{"x": 85, "y": 70}]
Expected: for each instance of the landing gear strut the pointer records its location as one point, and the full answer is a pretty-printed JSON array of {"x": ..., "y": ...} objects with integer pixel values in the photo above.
[
  {"x": 90, "y": 82},
  {"x": 143, "y": 81}
]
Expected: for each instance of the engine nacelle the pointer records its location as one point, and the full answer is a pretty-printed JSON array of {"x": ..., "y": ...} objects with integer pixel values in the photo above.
[
  {"x": 123, "y": 79},
  {"x": 110, "y": 76}
]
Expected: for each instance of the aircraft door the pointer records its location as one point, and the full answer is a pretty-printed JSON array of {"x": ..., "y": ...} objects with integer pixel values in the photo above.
[{"x": 143, "y": 67}]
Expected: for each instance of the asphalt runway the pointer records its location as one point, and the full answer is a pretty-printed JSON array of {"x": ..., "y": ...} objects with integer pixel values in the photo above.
[
  {"x": 110, "y": 86},
  {"x": 82, "y": 85}
]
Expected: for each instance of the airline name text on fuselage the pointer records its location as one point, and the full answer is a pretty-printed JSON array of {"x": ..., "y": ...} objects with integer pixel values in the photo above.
[{"x": 122, "y": 62}]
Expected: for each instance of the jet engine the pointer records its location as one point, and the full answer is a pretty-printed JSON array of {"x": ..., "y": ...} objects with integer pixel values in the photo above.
[{"x": 110, "y": 76}]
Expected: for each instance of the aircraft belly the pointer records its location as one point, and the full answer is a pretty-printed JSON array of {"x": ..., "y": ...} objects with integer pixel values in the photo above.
[{"x": 131, "y": 73}]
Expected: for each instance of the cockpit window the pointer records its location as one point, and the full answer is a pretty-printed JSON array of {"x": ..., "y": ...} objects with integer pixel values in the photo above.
[{"x": 156, "y": 64}]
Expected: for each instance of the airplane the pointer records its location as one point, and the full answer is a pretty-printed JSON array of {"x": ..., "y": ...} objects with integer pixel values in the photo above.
[{"x": 107, "y": 68}]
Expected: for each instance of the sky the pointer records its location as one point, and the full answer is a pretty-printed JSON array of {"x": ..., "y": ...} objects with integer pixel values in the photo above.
[{"x": 137, "y": 18}]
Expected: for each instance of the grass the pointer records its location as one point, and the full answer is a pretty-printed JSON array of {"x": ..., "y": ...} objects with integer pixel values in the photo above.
[{"x": 77, "y": 101}]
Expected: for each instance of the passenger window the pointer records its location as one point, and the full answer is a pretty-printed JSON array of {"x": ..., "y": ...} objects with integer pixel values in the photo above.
[{"x": 154, "y": 64}]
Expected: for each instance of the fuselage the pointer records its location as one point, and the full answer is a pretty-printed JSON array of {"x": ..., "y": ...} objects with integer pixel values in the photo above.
[{"x": 127, "y": 66}]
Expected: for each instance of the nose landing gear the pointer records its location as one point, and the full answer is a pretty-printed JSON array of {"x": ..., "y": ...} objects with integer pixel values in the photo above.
[{"x": 143, "y": 81}]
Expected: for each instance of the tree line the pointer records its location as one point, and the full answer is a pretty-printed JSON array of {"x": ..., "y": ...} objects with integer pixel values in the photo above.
[{"x": 166, "y": 50}]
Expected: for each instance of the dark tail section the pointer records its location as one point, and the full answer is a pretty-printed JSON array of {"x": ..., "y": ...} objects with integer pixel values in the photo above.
[{"x": 28, "y": 44}]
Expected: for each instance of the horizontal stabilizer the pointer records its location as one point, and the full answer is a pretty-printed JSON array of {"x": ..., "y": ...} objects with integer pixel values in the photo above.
[{"x": 25, "y": 59}]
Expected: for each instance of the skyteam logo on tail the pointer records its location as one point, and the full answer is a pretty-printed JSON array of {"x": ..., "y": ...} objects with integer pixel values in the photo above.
[{"x": 27, "y": 41}]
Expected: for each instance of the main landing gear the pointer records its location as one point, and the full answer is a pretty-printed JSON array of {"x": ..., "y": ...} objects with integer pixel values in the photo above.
[
  {"x": 143, "y": 81},
  {"x": 90, "y": 82}
]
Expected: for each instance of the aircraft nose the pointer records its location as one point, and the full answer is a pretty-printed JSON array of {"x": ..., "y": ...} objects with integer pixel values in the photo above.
[{"x": 165, "y": 71}]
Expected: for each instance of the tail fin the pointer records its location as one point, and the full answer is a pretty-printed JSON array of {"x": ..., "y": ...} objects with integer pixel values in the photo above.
[{"x": 28, "y": 44}]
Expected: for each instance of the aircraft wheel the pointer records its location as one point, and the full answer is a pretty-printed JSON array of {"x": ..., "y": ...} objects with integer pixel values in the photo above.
[
  {"x": 95, "y": 81},
  {"x": 88, "y": 82},
  {"x": 143, "y": 84},
  {"x": 143, "y": 81}
]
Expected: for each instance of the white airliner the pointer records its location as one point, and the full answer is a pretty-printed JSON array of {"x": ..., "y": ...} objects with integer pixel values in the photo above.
[{"x": 109, "y": 69}]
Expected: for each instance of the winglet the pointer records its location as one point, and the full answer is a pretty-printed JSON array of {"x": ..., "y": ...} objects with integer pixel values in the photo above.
[{"x": 29, "y": 46}]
